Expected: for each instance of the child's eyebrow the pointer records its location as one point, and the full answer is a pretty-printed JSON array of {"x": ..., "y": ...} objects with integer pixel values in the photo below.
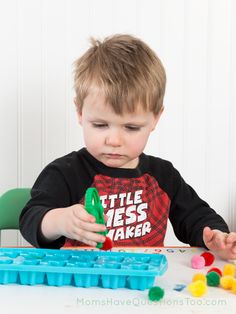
[
  {"x": 137, "y": 123},
  {"x": 98, "y": 120},
  {"x": 134, "y": 123}
]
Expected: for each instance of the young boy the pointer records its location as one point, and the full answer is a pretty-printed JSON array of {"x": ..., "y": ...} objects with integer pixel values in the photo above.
[{"x": 120, "y": 86}]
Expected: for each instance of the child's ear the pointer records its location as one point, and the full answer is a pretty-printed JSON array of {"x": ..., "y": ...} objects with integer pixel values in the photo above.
[
  {"x": 79, "y": 115},
  {"x": 78, "y": 111},
  {"x": 157, "y": 117}
]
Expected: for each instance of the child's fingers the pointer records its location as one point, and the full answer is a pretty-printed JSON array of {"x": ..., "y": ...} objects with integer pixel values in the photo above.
[
  {"x": 88, "y": 242},
  {"x": 214, "y": 238},
  {"x": 234, "y": 249},
  {"x": 84, "y": 221},
  {"x": 84, "y": 227},
  {"x": 220, "y": 239},
  {"x": 231, "y": 238},
  {"x": 84, "y": 236},
  {"x": 208, "y": 235},
  {"x": 88, "y": 226},
  {"x": 81, "y": 213},
  {"x": 231, "y": 242}
]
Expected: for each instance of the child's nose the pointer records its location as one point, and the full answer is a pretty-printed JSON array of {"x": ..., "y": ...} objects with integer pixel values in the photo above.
[{"x": 114, "y": 139}]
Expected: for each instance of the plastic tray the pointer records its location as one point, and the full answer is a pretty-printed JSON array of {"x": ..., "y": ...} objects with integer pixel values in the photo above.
[{"x": 80, "y": 268}]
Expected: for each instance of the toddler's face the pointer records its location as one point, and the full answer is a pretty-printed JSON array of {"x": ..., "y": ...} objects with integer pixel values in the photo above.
[{"x": 115, "y": 140}]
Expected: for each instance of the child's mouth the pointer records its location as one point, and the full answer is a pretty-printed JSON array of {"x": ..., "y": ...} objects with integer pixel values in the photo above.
[{"x": 114, "y": 156}]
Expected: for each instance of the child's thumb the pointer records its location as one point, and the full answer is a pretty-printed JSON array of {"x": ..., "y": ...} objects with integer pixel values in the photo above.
[{"x": 207, "y": 234}]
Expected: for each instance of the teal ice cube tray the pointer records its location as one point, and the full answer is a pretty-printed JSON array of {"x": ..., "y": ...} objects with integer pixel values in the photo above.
[{"x": 80, "y": 268}]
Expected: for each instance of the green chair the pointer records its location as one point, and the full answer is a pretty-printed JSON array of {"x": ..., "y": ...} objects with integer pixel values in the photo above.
[{"x": 11, "y": 205}]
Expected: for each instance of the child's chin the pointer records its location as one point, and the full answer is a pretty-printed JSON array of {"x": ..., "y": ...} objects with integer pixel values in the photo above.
[{"x": 114, "y": 164}]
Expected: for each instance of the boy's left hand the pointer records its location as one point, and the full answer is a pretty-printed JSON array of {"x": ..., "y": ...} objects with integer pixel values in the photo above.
[{"x": 221, "y": 243}]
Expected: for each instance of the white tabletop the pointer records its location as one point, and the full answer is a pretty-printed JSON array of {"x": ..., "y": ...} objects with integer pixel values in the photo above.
[{"x": 67, "y": 299}]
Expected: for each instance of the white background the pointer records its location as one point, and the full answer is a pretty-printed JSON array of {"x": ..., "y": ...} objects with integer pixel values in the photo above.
[{"x": 196, "y": 41}]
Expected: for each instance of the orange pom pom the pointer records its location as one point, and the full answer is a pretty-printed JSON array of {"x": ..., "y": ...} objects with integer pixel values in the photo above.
[{"x": 199, "y": 276}]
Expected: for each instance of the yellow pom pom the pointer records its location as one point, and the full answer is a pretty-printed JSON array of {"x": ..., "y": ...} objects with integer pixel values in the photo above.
[
  {"x": 229, "y": 269},
  {"x": 197, "y": 288},
  {"x": 234, "y": 286},
  {"x": 199, "y": 276},
  {"x": 226, "y": 282}
]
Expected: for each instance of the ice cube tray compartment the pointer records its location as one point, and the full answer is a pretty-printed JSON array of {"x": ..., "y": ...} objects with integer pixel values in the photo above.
[{"x": 30, "y": 266}]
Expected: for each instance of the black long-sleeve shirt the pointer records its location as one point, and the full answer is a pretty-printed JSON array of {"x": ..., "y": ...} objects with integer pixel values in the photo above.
[{"x": 138, "y": 202}]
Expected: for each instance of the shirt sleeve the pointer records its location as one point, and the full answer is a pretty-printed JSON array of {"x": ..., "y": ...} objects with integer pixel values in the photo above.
[
  {"x": 189, "y": 214},
  {"x": 49, "y": 191}
]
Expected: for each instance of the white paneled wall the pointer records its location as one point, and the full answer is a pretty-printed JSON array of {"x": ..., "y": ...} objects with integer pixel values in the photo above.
[{"x": 196, "y": 40}]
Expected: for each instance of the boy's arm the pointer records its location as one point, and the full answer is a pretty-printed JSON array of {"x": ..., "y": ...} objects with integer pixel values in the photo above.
[
  {"x": 30, "y": 227},
  {"x": 53, "y": 212},
  {"x": 189, "y": 214},
  {"x": 48, "y": 193}
]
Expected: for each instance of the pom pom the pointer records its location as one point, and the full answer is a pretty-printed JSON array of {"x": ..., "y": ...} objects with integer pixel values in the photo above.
[
  {"x": 213, "y": 279},
  {"x": 234, "y": 286},
  {"x": 197, "y": 262},
  {"x": 155, "y": 293},
  {"x": 197, "y": 288},
  {"x": 209, "y": 258},
  {"x": 215, "y": 269},
  {"x": 226, "y": 282},
  {"x": 229, "y": 270},
  {"x": 107, "y": 245},
  {"x": 199, "y": 276}
]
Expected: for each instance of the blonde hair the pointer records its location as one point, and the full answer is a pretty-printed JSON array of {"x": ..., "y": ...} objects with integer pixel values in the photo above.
[{"x": 126, "y": 70}]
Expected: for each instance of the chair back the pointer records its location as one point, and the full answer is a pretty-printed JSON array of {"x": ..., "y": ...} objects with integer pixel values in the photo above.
[{"x": 11, "y": 204}]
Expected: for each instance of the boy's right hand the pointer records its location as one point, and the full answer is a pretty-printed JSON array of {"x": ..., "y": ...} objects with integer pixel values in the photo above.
[{"x": 73, "y": 222}]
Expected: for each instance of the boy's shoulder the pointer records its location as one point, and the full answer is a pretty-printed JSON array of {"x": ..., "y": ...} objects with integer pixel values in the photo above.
[
  {"x": 68, "y": 160},
  {"x": 161, "y": 168},
  {"x": 157, "y": 163}
]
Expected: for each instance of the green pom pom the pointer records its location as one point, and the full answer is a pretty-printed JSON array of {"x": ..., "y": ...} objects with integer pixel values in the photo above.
[
  {"x": 213, "y": 279},
  {"x": 155, "y": 293}
]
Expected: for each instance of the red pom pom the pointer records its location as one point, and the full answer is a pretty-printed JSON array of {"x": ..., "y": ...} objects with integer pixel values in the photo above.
[
  {"x": 107, "y": 245},
  {"x": 209, "y": 258},
  {"x": 216, "y": 270}
]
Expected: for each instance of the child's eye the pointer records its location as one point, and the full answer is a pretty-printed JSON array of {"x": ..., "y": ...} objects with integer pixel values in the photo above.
[
  {"x": 132, "y": 128},
  {"x": 99, "y": 125}
]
